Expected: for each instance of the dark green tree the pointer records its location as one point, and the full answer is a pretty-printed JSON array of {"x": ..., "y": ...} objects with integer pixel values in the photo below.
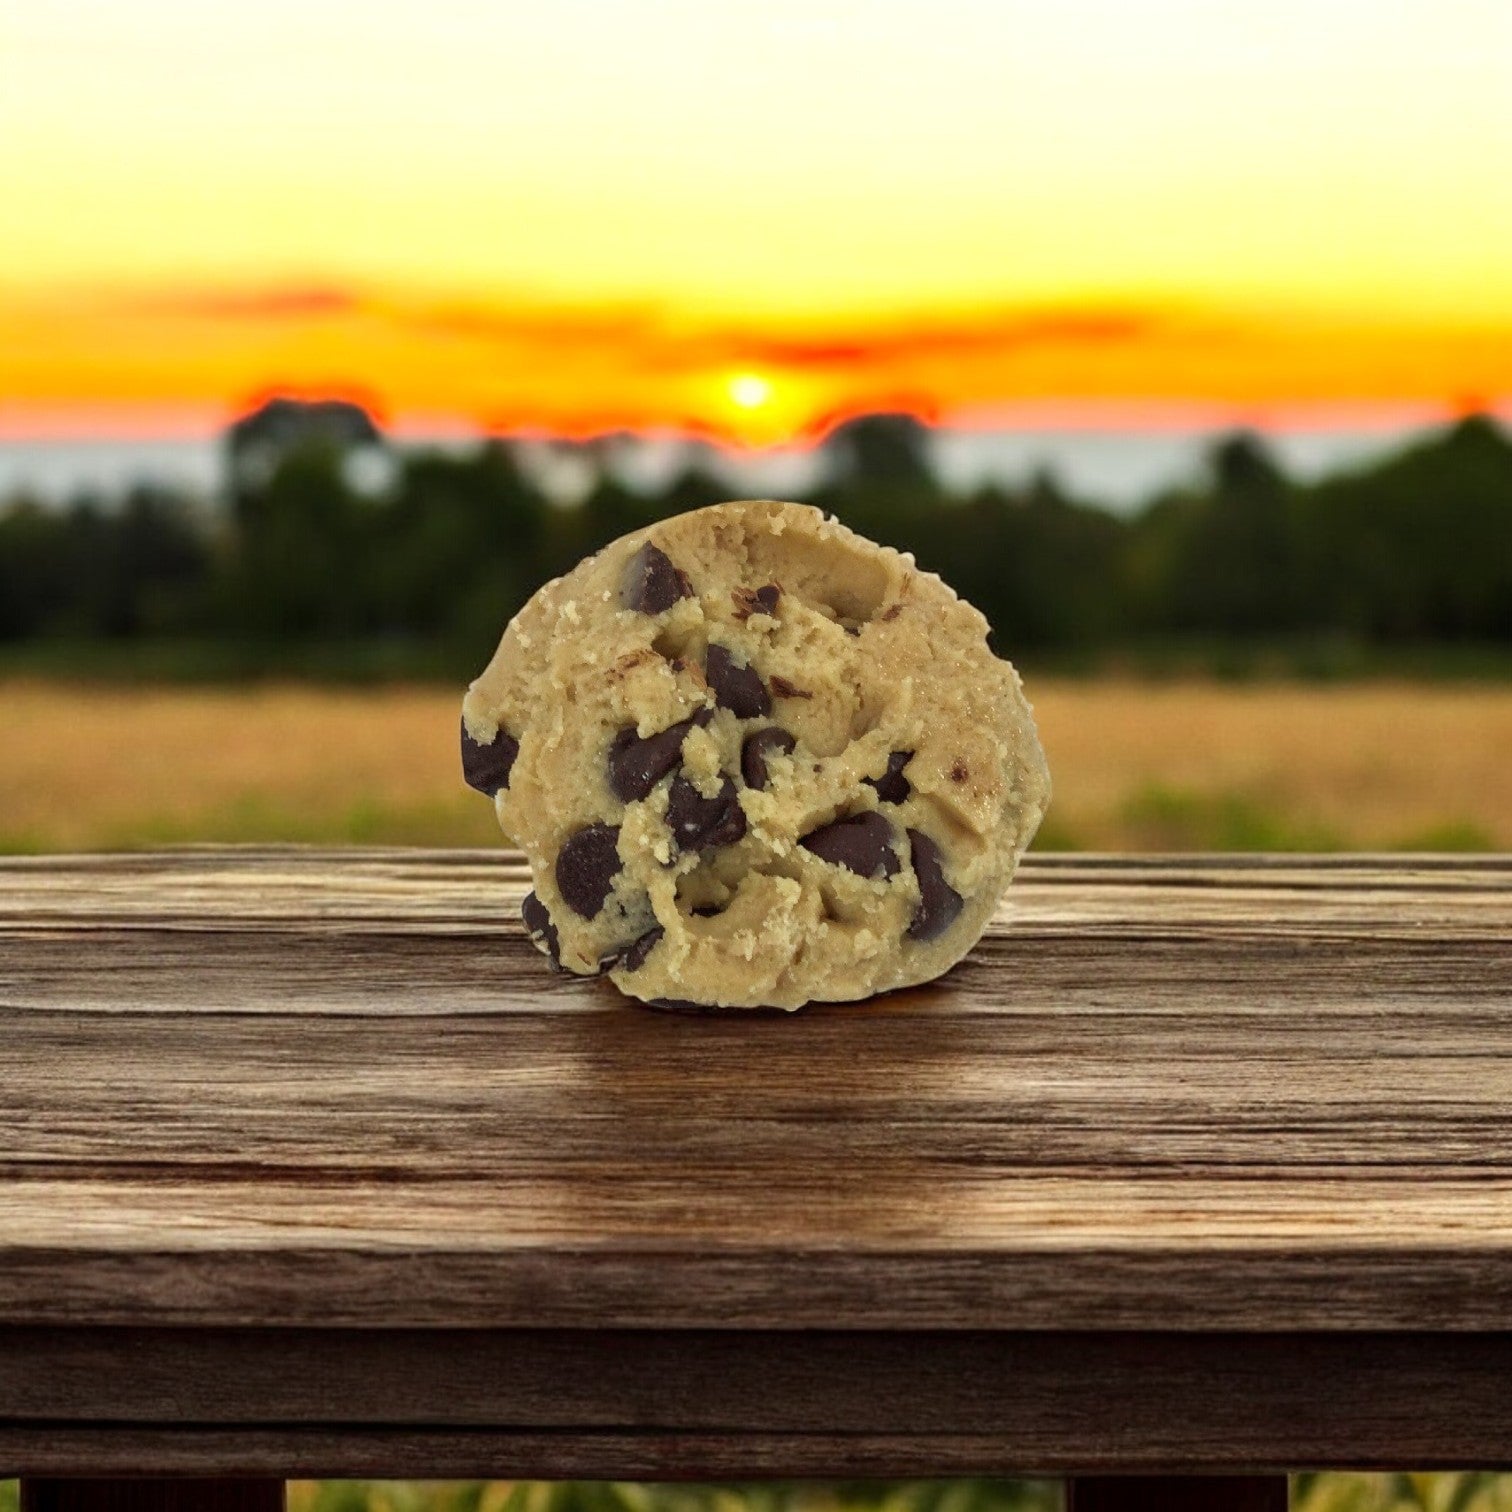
[
  {"x": 1418, "y": 547},
  {"x": 1230, "y": 554}
]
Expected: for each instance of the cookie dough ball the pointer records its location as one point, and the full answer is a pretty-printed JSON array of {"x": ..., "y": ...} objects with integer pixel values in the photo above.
[{"x": 755, "y": 760}]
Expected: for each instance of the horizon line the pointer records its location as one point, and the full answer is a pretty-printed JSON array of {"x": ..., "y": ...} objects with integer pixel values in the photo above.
[
  {"x": 186, "y": 361},
  {"x": 23, "y": 424}
]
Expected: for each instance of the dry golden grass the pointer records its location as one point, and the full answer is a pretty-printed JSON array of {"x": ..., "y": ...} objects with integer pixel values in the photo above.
[
  {"x": 1289, "y": 766},
  {"x": 1136, "y": 765}
]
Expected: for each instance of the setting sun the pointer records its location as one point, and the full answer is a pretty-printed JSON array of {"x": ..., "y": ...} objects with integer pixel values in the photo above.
[
  {"x": 958, "y": 208},
  {"x": 749, "y": 391}
]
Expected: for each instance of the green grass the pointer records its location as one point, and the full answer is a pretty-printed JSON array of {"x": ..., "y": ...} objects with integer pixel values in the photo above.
[
  {"x": 1054, "y": 834},
  {"x": 1174, "y": 819},
  {"x": 1464, "y": 1491},
  {"x": 254, "y": 819},
  {"x": 1452, "y": 835},
  {"x": 607, "y": 1496},
  {"x": 1161, "y": 818},
  {"x": 1328, "y": 1492},
  {"x": 1154, "y": 818}
]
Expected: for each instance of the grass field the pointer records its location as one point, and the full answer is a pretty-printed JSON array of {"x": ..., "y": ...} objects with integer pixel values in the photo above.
[{"x": 1137, "y": 765}]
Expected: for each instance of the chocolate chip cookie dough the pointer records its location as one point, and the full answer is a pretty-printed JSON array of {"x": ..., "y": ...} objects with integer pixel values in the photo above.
[{"x": 755, "y": 760}]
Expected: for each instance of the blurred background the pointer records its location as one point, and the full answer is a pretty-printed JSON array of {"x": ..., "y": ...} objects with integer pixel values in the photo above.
[{"x": 1178, "y": 336}]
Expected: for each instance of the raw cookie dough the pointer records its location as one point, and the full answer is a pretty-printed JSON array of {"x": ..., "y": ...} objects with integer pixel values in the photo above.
[{"x": 755, "y": 760}]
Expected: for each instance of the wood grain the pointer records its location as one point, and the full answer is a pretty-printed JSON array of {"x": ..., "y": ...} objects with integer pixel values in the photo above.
[
  {"x": 330, "y": 1088},
  {"x": 976, "y": 1402},
  {"x": 380, "y": 1452}
]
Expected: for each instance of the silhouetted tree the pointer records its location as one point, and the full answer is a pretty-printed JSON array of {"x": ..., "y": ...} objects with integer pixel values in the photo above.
[
  {"x": 1231, "y": 556},
  {"x": 302, "y": 551},
  {"x": 884, "y": 452},
  {"x": 439, "y": 547},
  {"x": 1420, "y": 546},
  {"x": 258, "y": 442}
]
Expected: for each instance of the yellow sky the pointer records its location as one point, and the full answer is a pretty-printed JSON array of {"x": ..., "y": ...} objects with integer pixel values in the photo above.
[{"x": 729, "y": 171}]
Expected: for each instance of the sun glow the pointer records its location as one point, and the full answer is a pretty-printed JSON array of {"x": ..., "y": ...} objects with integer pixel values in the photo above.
[
  {"x": 184, "y": 360},
  {"x": 749, "y": 391},
  {"x": 961, "y": 206}
]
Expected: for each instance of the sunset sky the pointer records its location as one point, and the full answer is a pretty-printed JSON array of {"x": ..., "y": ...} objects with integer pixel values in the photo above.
[{"x": 746, "y": 218}]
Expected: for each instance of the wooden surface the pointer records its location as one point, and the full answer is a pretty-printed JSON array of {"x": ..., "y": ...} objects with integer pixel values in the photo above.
[
  {"x": 659, "y": 1405},
  {"x": 303, "y": 1088},
  {"x": 307, "y": 1164}
]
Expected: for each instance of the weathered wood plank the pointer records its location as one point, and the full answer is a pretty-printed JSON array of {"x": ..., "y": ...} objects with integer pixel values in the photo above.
[
  {"x": 386, "y": 1452},
  {"x": 381, "y": 1452},
  {"x": 1175, "y": 1287},
  {"x": 306, "y": 889},
  {"x": 1105, "y": 1398},
  {"x": 315, "y": 1087}
]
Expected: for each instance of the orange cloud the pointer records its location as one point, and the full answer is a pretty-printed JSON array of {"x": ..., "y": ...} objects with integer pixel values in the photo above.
[
  {"x": 291, "y": 303},
  {"x": 995, "y": 332},
  {"x": 524, "y": 365}
]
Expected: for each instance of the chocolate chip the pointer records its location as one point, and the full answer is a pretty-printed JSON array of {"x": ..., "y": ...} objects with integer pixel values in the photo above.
[
  {"x": 862, "y": 844},
  {"x": 738, "y": 689},
  {"x": 487, "y": 767},
  {"x": 586, "y": 867},
  {"x": 784, "y": 689},
  {"x": 542, "y": 931},
  {"x": 699, "y": 823},
  {"x": 637, "y": 764},
  {"x": 632, "y": 957},
  {"x": 939, "y": 903},
  {"x": 760, "y": 744},
  {"x": 653, "y": 583},
  {"x": 892, "y": 786},
  {"x": 749, "y": 601}
]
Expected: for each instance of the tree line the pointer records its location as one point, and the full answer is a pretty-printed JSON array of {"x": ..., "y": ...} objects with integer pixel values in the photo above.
[{"x": 1415, "y": 548}]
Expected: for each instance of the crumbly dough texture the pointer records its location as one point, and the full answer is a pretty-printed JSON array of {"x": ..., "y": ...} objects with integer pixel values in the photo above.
[{"x": 747, "y": 896}]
